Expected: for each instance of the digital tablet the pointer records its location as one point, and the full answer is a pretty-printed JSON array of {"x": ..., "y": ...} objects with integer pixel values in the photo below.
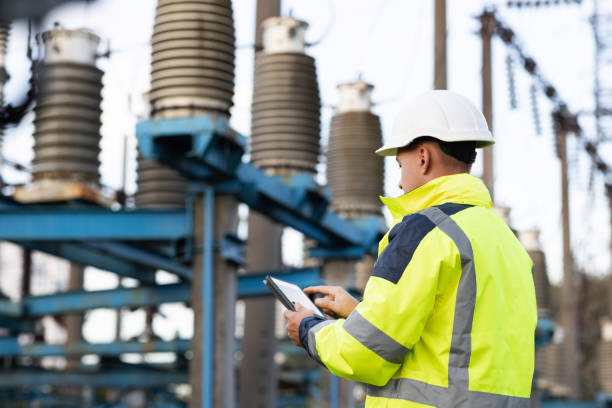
[{"x": 287, "y": 293}]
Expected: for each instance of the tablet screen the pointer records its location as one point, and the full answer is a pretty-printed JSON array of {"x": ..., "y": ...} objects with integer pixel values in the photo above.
[{"x": 295, "y": 294}]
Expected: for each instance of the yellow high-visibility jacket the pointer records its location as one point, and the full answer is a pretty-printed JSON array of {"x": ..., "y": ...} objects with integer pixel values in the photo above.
[{"x": 449, "y": 314}]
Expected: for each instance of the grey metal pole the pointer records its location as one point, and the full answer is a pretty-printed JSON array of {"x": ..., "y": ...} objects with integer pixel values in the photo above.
[
  {"x": 569, "y": 304},
  {"x": 213, "y": 299},
  {"x": 487, "y": 20},
  {"x": 440, "y": 71},
  {"x": 74, "y": 321},
  {"x": 207, "y": 297},
  {"x": 258, "y": 377}
]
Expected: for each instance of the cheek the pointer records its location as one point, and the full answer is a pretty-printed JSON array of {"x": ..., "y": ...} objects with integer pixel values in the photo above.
[{"x": 407, "y": 178}]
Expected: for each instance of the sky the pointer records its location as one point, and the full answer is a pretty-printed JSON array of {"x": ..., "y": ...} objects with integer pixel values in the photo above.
[{"x": 390, "y": 44}]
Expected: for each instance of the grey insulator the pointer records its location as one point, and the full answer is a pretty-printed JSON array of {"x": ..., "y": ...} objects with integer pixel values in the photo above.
[
  {"x": 192, "y": 73},
  {"x": 67, "y": 123},
  {"x": 285, "y": 120},
  {"x": 354, "y": 171}
]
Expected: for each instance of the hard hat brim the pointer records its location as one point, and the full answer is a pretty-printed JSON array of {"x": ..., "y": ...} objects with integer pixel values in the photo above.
[{"x": 482, "y": 139}]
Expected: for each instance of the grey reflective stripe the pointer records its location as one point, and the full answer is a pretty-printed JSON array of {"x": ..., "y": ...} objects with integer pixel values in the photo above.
[
  {"x": 374, "y": 339},
  {"x": 457, "y": 394},
  {"x": 461, "y": 341},
  {"x": 434, "y": 395},
  {"x": 413, "y": 390},
  {"x": 312, "y": 344}
]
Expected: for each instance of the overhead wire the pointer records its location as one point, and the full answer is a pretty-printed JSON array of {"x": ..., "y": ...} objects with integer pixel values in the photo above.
[{"x": 563, "y": 118}]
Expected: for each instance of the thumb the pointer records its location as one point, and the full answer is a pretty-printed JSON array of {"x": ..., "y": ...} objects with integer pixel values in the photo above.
[{"x": 298, "y": 307}]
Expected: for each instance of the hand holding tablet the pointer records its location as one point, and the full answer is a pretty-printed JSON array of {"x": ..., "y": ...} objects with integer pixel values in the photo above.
[{"x": 288, "y": 294}]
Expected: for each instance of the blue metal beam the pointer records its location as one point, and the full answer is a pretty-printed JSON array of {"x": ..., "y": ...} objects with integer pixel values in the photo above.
[
  {"x": 302, "y": 208},
  {"x": 143, "y": 257},
  {"x": 9, "y": 346},
  {"x": 65, "y": 224},
  {"x": 85, "y": 254},
  {"x": 216, "y": 159},
  {"x": 113, "y": 379},
  {"x": 10, "y": 309},
  {"x": 252, "y": 285},
  {"x": 66, "y": 302},
  {"x": 17, "y": 324}
]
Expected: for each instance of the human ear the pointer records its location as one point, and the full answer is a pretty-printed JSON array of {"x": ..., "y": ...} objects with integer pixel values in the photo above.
[{"x": 424, "y": 159}]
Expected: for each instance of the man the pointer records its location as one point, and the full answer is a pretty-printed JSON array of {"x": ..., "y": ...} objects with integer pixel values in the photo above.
[{"x": 449, "y": 313}]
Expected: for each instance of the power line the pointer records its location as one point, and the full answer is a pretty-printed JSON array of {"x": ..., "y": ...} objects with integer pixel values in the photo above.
[{"x": 562, "y": 117}]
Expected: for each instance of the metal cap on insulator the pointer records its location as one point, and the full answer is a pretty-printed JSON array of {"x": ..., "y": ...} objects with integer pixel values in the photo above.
[
  {"x": 530, "y": 240},
  {"x": 355, "y": 97},
  {"x": 78, "y": 46},
  {"x": 284, "y": 34}
]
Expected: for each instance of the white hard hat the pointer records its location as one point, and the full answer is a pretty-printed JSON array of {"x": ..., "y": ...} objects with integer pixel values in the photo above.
[{"x": 443, "y": 115}]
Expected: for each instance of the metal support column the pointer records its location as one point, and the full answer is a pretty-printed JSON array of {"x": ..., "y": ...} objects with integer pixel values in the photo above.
[
  {"x": 74, "y": 321},
  {"x": 258, "y": 380},
  {"x": 487, "y": 20},
  {"x": 440, "y": 78},
  {"x": 213, "y": 298},
  {"x": 258, "y": 377},
  {"x": 569, "y": 304}
]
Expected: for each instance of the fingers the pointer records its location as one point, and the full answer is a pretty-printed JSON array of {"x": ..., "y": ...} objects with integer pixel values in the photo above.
[
  {"x": 326, "y": 290},
  {"x": 287, "y": 313},
  {"x": 324, "y": 303}
]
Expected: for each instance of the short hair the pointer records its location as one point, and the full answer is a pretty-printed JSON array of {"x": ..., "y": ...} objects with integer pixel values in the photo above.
[{"x": 465, "y": 152}]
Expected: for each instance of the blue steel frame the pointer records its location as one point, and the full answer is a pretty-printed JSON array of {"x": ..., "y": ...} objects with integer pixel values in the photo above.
[
  {"x": 142, "y": 296},
  {"x": 207, "y": 154},
  {"x": 9, "y": 346},
  {"x": 210, "y": 155},
  {"x": 119, "y": 378}
]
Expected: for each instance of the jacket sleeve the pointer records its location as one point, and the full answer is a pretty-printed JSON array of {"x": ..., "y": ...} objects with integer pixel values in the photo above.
[{"x": 370, "y": 345}]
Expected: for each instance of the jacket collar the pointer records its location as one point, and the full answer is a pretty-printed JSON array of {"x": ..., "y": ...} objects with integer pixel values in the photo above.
[{"x": 457, "y": 188}]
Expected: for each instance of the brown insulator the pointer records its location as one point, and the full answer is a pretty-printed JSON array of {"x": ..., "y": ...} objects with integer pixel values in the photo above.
[
  {"x": 354, "y": 171},
  {"x": 67, "y": 112},
  {"x": 192, "y": 73},
  {"x": 285, "y": 121}
]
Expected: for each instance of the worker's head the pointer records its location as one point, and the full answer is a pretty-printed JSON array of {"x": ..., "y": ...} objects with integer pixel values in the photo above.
[
  {"x": 436, "y": 134},
  {"x": 426, "y": 158}
]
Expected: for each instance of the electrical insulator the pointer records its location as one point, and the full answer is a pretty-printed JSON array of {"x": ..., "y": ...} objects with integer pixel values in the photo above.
[
  {"x": 354, "y": 134},
  {"x": 285, "y": 120},
  {"x": 192, "y": 73},
  {"x": 511, "y": 83},
  {"x": 67, "y": 113},
  {"x": 533, "y": 93}
]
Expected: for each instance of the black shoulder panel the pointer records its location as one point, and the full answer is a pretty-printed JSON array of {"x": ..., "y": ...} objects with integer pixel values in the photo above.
[
  {"x": 452, "y": 208},
  {"x": 404, "y": 239}
]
